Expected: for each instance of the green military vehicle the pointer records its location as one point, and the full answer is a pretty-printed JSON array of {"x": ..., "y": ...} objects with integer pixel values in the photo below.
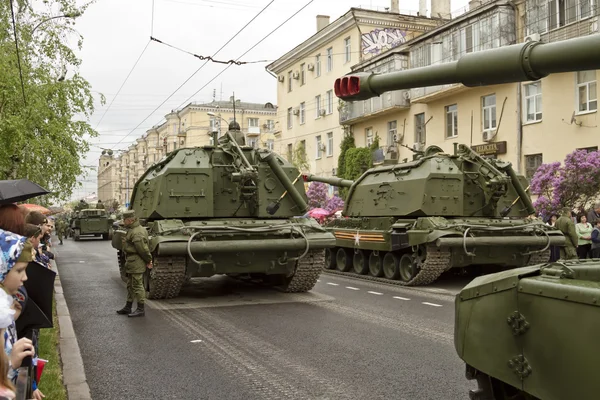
[
  {"x": 410, "y": 222},
  {"x": 227, "y": 209},
  {"x": 91, "y": 222}
]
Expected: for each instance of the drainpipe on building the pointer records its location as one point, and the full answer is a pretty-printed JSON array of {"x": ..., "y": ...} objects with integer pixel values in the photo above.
[
  {"x": 360, "y": 55},
  {"x": 519, "y": 102}
]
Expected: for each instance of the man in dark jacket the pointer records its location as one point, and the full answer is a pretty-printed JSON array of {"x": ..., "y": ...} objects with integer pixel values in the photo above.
[{"x": 594, "y": 214}]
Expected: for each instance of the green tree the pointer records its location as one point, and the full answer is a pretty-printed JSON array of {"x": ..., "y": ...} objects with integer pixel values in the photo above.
[
  {"x": 375, "y": 145},
  {"x": 347, "y": 143},
  {"x": 299, "y": 159},
  {"x": 44, "y": 102}
]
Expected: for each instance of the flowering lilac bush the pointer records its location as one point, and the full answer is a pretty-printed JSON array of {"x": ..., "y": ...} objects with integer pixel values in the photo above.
[
  {"x": 335, "y": 203},
  {"x": 575, "y": 184},
  {"x": 317, "y": 195}
]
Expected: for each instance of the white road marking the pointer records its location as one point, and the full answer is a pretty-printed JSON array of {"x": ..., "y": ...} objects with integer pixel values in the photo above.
[
  {"x": 333, "y": 284},
  {"x": 401, "y": 298},
  {"x": 352, "y": 288},
  {"x": 318, "y": 280},
  {"x": 431, "y": 304},
  {"x": 82, "y": 262},
  {"x": 377, "y": 293},
  {"x": 195, "y": 341}
]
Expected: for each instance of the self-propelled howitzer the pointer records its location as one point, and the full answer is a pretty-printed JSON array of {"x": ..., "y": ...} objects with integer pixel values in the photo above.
[
  {"x": 227, "y": 209},
  {"x": 410, "y": 222},
  {"x": 527, "y": 61}
]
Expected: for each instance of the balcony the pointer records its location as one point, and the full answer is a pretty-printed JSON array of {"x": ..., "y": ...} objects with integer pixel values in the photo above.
[
  {"x": 253, "y": 131},
  {"x": 351, "y": 112},
  {"x": 433, "y": 93}
]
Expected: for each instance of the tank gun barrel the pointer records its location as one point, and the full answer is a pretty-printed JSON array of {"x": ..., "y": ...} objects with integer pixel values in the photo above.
[
  {"x": 331, "y": 181},
  {"x": 528, "y": 61},
  {"x": 286, "y": 182}
]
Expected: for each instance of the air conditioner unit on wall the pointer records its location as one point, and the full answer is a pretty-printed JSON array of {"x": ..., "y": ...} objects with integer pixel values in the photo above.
[
  {"x": 296, "y": 75},
  {"x": 296, "y": 111},
  {"x": 488, "y": 135},
  {"x": 310, "y": 67},
  {"x": 281, "y": 78},
  {"x": 534, "y": 37},
  {"x": 322, "y": 113},
  {"x": 418, "y": 146}
]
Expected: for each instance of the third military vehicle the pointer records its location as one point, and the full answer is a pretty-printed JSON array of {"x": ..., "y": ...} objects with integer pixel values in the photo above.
[
  {"x": 227, "y": 209},
  {"x": 412, "y": 221},
  {"x": 91, "y": 222}
]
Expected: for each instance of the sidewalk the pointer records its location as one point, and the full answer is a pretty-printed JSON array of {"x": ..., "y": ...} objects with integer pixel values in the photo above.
[{"x": 72, "y": 365}]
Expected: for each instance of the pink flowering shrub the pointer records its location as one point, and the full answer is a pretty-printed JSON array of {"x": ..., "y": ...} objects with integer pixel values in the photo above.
[
  {"x": 317, "y": 195},
  {"x": 576, "y": 184},
  {"x": 335, "y": 203}
]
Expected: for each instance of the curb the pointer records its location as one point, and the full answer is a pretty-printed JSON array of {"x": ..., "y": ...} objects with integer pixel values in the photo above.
[{"x": 74, "y": 377}]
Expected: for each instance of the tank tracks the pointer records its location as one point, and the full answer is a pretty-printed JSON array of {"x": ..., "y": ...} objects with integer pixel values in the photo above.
[
  {"x": 436, "y": 263},
  {"x": 539, "y": 258},
  {"x": 166, "y": 277},
  {"x": 308, "y": 270}
]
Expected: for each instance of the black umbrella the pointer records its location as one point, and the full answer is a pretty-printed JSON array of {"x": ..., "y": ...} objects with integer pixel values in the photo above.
[
  {"x": 40, "y": 290},
  {"x": 12, "y": 191}
]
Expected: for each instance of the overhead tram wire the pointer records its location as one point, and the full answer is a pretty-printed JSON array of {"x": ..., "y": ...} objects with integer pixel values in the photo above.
[
  {"x": 198, "y": 70},
  {"x": 123, "y": 84},
  {"x": 247, "y": 51}
]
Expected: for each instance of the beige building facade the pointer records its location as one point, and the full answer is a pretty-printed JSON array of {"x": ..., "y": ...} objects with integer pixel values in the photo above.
[
  {"x": 192, "y": 126},
  {"x": 526, "y": 124}
]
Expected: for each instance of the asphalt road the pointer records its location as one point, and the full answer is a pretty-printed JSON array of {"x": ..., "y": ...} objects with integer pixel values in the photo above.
[{"x": 223, "y": 339}]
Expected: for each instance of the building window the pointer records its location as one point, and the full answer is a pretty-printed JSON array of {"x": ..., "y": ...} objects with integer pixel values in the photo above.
[
  {"x": 214, "y": 124},
  {"x": 532, "y": 162},
  {"x": 252, "y": 142},
  {"x": 451, "y": 121},
  {"x": 561, "y": 13},
  {"x": 420, "y": 128},
  {"x": 252, "y": 122},
  {"x": 175, "y": 129},
  {"x": 318, "y": 106},
  {"x": 533, "y": 102},
  {"x": 392, "y": 129},
  {"x": 290, "y": 152},
  {"x": 329, "y": 101},
  {"x": 347, "y": 50},
  {"x": 302, "y": 113},
  {"x": 318, "y": 65},
  {"x": 302, "y": 74},
  {"x": 586, "y": 91},
  {"x": 488, "y": 106},
  {"x": 289, "y": 118},
  {"x": 329, "y": 144},
  {"x": 329, "y": 59},
  {"x": 319, "y": 147},
  {"x": 289, "y": 81},
  {"x": 270, "y": 144},
  {"x": 270, "y": 125},
  {"x": 369, "y": 135}
]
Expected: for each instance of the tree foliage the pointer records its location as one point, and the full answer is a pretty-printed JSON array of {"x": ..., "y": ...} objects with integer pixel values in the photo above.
[
  {"x": 347, "y": 143},
  {"x": 317, "y": 195},
  {"x": 375, "y": 145},
  {"x": 358, "y": 160},
  {"x": 299, "y": 158},
  {"x": 44, "y": 133},
  {"x": 576, "y": 184}
]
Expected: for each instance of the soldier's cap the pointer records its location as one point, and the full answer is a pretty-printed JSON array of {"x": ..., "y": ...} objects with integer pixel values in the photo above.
[{"x": 128, "y": 214}]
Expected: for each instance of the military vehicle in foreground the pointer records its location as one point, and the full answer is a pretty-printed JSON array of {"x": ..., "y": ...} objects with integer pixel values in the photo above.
[
  {"x": 531, "y": 333},
  {"x": 410, "y": 222},
  {"x": 227, "y": 209},
  {"x": 91, "y": 222}
]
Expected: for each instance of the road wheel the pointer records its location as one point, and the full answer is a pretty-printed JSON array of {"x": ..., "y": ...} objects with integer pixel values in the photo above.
[
  {"x": 376, "y": 264},
  {"x": 360, "y": 262},
  {"x": 390, "y": 266},
  {"x": 408, "y": 268},
  {"x": 343, "y": 260},
  {"x": 330, "y": 260}
]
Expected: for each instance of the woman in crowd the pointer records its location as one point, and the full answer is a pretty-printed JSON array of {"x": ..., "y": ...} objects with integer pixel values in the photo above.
[
  {"x": 12, "y": 219},
  {"x": 584, "y": 233}
]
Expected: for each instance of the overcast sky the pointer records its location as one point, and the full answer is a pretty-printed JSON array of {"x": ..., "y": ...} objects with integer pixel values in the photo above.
[{"x": 116, "y": 32}]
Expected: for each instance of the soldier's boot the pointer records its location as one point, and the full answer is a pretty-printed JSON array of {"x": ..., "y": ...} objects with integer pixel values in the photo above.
[
  {"x": 125, "y": 310},
  {"x": 139, "y": 312}
]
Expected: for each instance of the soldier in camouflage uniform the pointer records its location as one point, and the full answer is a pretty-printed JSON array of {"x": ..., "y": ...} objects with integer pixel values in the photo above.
[
  {"x": 566, "y": 225},
  {"x": 61, "y": 228},
  {"x": 138, "y": 258},
  {"x": 100, "y": 205}
]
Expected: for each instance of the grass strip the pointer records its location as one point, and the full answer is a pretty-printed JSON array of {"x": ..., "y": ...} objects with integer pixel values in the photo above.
[{"x": 52, "y": 380}]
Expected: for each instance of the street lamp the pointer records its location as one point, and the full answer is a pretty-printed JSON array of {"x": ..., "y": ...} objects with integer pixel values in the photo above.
[{"x": 67, "y": 15}]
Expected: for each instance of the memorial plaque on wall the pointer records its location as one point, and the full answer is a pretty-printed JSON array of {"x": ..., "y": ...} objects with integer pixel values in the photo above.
[{"x": 490, "y": 149}]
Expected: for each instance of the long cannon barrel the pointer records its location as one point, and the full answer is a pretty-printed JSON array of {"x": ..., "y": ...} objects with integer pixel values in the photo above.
[
  {"x": 286, "y": 182},
  {"x": 331, "y": 181},
  {"x": 528, "y": 61}
]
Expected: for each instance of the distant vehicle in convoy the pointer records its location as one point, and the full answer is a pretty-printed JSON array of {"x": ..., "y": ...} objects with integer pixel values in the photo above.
[
  {"x": 91, "y": 222},
  {"x": 226, "y": 209}
]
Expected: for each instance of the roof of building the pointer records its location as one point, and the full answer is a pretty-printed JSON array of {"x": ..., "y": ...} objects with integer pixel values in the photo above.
[{"x": 242, "y": 105}]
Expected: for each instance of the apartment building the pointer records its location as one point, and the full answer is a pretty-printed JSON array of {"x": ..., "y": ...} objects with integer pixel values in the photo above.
[
  {"x": 526, "y": 124},
  {"x": 191, "y": 126},
  {"x": 309, "y": 132}
]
